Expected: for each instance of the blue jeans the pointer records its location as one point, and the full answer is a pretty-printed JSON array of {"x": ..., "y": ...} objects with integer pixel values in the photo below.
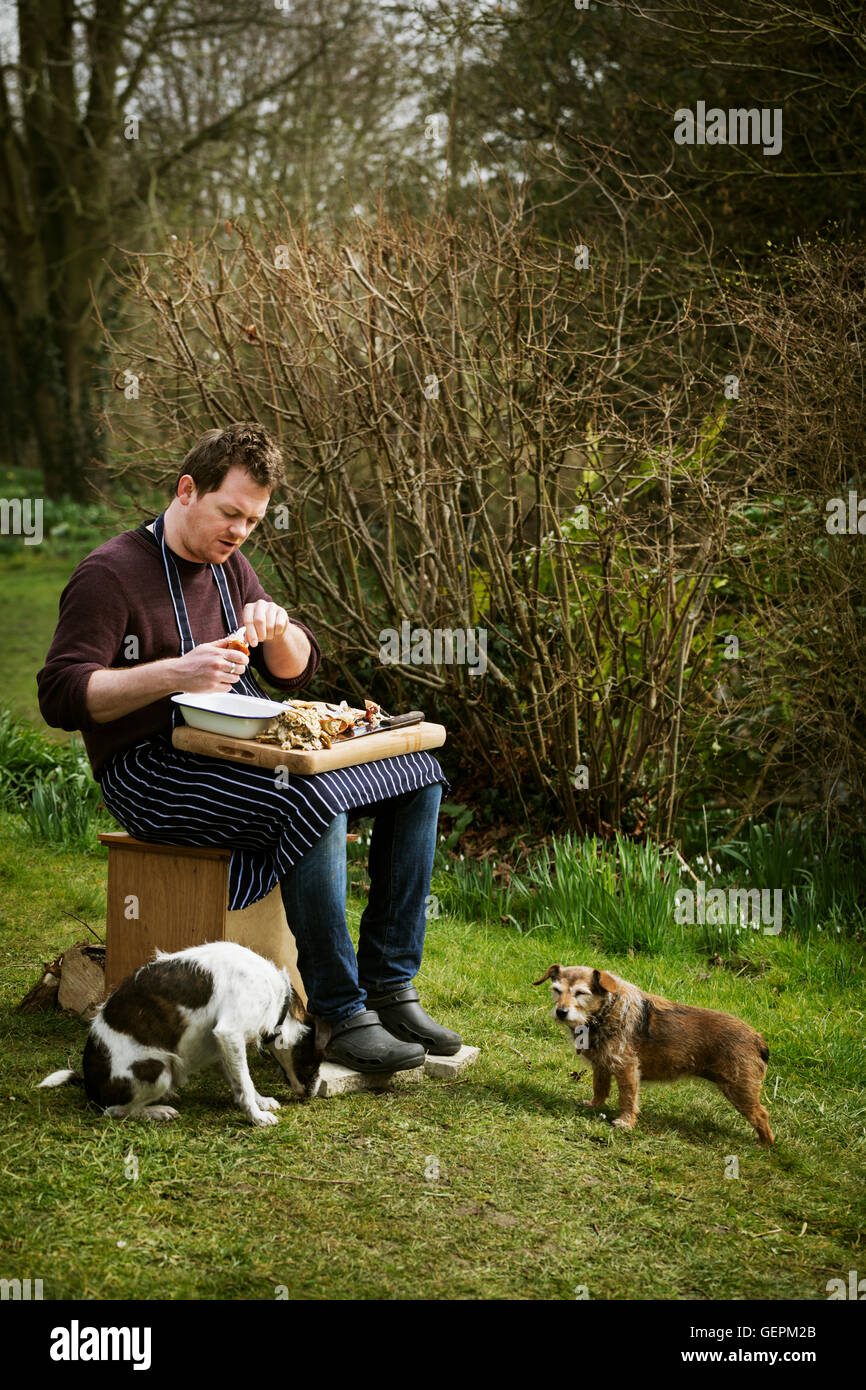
[{"x": 391, "y": 940}]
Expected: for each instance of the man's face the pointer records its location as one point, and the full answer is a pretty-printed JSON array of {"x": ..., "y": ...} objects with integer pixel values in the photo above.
[{"x": 215, "y": 524}]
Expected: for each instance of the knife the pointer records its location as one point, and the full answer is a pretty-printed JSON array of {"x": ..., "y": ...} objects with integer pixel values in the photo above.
[{"x": 391, "y": 721}]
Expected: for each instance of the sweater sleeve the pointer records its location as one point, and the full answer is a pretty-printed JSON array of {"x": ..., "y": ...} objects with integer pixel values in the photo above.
[
  {"x": 90, "y": 630},
  {"x": 251, "y": 592}
]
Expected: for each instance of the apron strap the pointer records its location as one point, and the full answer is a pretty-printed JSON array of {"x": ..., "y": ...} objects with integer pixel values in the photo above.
[
  {"x": 247, "y": 681},
  {"x": 175, "y": 589},
  {"x": 247, "y": 684}
]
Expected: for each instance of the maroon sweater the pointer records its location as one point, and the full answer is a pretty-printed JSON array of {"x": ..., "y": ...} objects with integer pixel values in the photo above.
[{"x": 120, "y": 591}]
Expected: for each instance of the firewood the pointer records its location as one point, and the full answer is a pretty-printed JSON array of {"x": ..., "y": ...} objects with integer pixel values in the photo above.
[
  {"x": 75, "y": 981},
  {"x": 82, "y": 979},
  {"x": 43, "y": 995}
]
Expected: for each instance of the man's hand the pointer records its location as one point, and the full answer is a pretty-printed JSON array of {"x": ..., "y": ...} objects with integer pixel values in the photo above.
[
  {"x": 264, "y": 622},
  {"x": 211, "y": 667},
  {"x": 285, "y": 647}
]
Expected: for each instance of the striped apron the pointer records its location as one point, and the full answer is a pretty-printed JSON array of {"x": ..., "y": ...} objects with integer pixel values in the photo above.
[{"x": 159, "y": 793}]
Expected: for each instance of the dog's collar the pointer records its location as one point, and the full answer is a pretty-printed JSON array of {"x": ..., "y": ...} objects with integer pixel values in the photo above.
[{"x": 269, "y": 1037}]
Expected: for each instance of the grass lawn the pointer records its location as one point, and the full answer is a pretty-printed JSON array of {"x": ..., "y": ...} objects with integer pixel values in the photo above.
[
  {"x": 32, "y": 587},
  {"x": 33, "y": 578},
  {"x": 533, "y": 1199},
  {"x": 495, "y": 1186}
]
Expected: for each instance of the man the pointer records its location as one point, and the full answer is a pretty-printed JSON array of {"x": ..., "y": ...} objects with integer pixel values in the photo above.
[{"x": 149, "y": 614}]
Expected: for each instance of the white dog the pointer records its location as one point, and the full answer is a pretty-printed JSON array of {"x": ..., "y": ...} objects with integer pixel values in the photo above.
[{"x": 188, "y": 1011}]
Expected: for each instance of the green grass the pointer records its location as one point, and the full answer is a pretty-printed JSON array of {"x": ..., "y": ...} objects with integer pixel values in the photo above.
[
  {"x": 31, "y": 590},
  {"x": 534, "y": 1197},
  {"x": 33, "y": 578}
]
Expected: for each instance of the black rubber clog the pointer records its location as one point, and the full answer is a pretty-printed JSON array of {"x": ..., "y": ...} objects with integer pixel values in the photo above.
[
  {"x": 362, "y": 1043},
  {"x": 402, "y": 1015}
]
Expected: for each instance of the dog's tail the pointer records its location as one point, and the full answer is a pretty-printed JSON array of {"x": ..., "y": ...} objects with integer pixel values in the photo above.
[{"x": 63, "y": 1078}]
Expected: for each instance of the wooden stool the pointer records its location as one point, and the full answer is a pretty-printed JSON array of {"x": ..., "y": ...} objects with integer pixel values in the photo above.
[{"x": 174, "y": 896}]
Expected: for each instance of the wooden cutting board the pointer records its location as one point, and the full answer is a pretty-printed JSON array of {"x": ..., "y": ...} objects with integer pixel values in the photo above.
[{"x": 368, "y": 749}]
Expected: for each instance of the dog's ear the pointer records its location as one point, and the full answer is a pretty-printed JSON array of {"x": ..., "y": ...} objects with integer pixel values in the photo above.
[
  {"x": 603, "y": 983},
  {"x": 321, "y": 1032},
  {"x": 552, "y": 974},
  {"x": 297, "y": 1010}
]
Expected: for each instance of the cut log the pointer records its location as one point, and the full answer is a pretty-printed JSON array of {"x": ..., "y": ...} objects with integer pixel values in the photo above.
[
  {"x": 74, "y": 981},
  {"x": 43, "y": 995},
  {"x": 82, "y": 979}
]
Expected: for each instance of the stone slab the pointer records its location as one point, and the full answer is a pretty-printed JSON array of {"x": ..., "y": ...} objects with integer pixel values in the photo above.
[
  {"x": 340, "y": 1081},
  {"x": 447, "y": 1068}
]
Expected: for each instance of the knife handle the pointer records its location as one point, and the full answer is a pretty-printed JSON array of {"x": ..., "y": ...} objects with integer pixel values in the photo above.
[{"x": 397, "y": 721}]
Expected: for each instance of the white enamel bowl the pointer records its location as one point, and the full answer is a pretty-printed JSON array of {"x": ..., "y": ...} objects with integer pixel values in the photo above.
[{"x": 239, "y": 716}]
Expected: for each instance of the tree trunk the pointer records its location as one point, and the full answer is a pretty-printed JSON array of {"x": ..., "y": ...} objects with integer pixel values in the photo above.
[
  {"x": 71, "y": 185},
  {"x": 56, "y": 400}
]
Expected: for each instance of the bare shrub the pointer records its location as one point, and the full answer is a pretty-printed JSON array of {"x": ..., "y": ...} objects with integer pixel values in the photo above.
[
  {"x": 481, "y": 435},
  {"x": 797, "y": 695}
]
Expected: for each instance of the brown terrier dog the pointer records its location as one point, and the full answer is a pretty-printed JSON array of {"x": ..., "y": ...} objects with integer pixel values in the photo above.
[{"x": 631, "y": 1036}]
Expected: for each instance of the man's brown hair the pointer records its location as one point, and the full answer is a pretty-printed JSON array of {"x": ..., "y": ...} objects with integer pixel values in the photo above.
[{"x": 241, "y": 445}]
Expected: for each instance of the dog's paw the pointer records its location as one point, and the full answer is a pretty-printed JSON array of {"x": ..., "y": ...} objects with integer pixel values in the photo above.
[
  {"x": 261, "y": 1118},
  {"x": 593, "y": 1104},
  {"x": 159, "y": 1112},
  {"x": 624, "y": 1122},
  {"x": 267, "y": 1103}
]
